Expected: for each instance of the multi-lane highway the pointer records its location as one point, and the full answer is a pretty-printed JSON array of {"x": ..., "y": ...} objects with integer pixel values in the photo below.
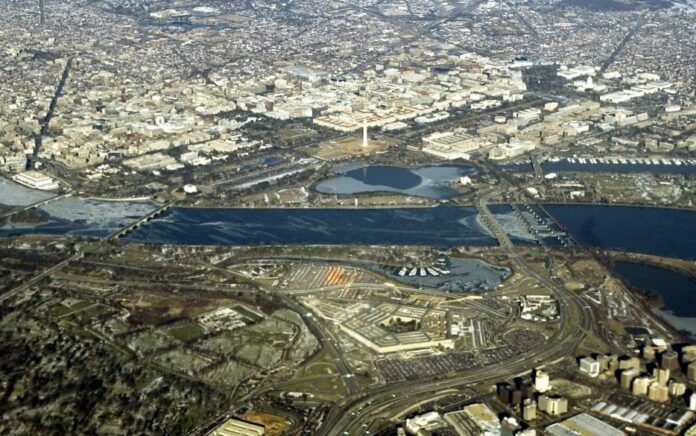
[{"x": 362, "y": 413}]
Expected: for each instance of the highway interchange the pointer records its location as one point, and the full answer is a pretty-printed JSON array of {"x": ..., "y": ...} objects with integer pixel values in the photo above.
[
  {"x": 361, "y": 413},
  {"x": 366, "y": 410}
]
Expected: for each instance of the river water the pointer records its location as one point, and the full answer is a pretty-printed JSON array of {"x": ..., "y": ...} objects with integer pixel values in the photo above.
[
  {"x": 658, "y": 231},
  {"x": 650, "y": 230},
  {"x": 677, "y": 290},
  {"x": 69, "y": 215},
  {"x": 440, "y": 226}
]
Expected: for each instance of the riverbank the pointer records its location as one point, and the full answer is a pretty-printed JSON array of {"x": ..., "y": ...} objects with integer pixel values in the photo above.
[{"x": 666, "y": 291}]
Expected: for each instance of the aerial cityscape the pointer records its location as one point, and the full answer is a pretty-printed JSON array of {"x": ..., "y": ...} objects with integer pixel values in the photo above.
[{"x": 348, "y": 217}]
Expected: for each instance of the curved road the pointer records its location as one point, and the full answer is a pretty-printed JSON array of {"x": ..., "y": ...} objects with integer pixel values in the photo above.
[{"x": 361, "y": 413}]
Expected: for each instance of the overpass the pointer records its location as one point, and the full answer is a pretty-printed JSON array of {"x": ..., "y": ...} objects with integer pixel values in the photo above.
[{"x": 362, "y": 412}]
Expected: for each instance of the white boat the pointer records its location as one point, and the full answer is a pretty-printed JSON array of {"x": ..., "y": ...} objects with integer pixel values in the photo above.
[
  {"x": 582, "y": 160},
  {"x": 413, "y": 272},
  {"x": 593, "y": 161},
  {"x": 402, "y": 271},
  {"x": 571, "y": 160},
  {"x": 422, "y": 272},
  {"x": 432, "y": 272},
  {"x": 656, "y": 161},
  {"x": 677, "y": 162}
]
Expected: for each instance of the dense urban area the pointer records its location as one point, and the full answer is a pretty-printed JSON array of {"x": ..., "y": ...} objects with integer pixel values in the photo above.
[{"x": 348, "y": 217}]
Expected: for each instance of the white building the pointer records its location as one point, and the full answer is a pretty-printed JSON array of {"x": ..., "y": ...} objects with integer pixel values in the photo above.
[
  {"x": 453, "y": 145},
  {"x": 236, "y": 427},
  {"x": 428, "y": 421},
  {"x": 589, "y": 366},
  {"x": 36, "y": 180},
  {"x": 512, "y": 149},
  {"x": 583, "y": 424},
  {"x": 542, "y": 381}
]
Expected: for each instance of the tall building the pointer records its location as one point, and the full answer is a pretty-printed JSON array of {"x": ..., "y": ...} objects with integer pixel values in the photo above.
[
  {"x": 669, "y": 360},
  {"x": 692, "y": 402},
  {"x": 661, "y": 375},
  {"x": 529, "y": 410},
  {"x": 649, "y": 352},
  {"x": 658, "y": 393},
  {"x": 641, "y": 385},
  {"x": 676, "y": 389},
  {"x": 691, "y": 371},
  {"x": 589, "y": 366},
  {"x": 527, "y": 389},
  {"x": 542, "y": 381},
  {"x": 505, "y": 392},
  {"x": 608, "y": 362},
  {"x": 553, "y": 405},
  {"x": 516, "y": 397},
  {"x": 627, "y": 377},
  {"x": 629, "y": 363}
]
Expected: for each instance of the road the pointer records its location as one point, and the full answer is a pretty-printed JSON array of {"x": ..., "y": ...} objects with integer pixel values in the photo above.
[
  {"x": 360, "y": 414},
  {"x": 536, "y": 165},
  {"x": 327, "y": 343},
  {"x": 620, "y": 46},
  {"x": 37, "y": 278}
]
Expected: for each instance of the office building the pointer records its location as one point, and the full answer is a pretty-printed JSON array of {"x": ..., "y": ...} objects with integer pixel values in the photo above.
[
  {"x": 676, "y": 389},
  {"x": 641, "y": 385},
  {"x": 542, "y": 381},
  {"x": 661, "y": 375},
  {"x": 553, "y": 405},
  {"x": 658, "y": 392},
  {"x": 691, "y": 371},
  {"x": 529, "y": 410},
  {"x": 669, "y": 360},
  {"x": 627, "y": 377},
  {"x": 589, "y": 366}
]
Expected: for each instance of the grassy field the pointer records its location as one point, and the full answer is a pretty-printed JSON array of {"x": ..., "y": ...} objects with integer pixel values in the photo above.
[
  {"x": 185, "y": 331},
  {"x": 341, "y": 149},
  {"x": 184, "y": 361}
]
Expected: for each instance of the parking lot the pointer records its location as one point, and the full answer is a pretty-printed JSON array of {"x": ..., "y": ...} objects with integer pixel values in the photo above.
[
  {"x": 396, "y": 370},
  {"x": 320, "y": 276}
]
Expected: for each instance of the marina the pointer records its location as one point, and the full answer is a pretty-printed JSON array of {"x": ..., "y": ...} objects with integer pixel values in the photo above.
[
  {"x": 616, "y": 164},
  {"x": 451, "y": 275}
]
